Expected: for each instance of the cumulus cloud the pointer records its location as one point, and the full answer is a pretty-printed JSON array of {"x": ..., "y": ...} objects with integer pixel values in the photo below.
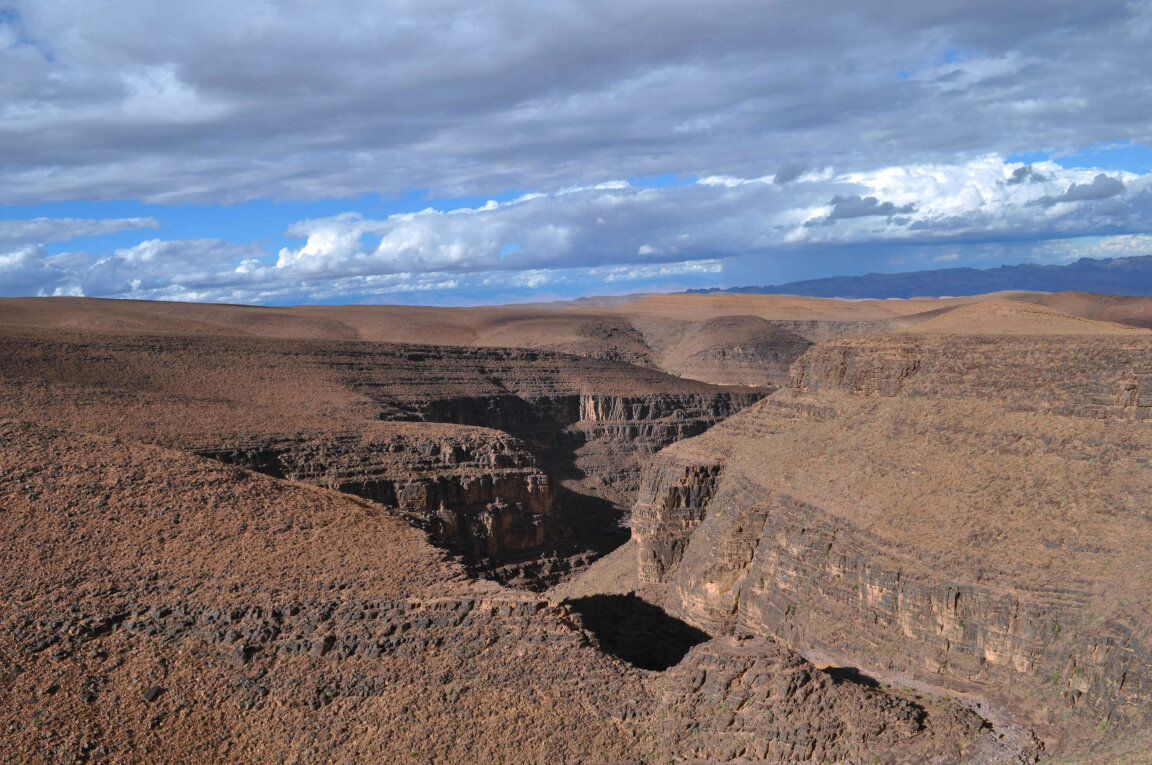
[
  {"x": 152, "y": 268},
  {"x": 155, "y": 265},
  {"x": 27, "y": 270},
  {"x": 613, "y": 236}
]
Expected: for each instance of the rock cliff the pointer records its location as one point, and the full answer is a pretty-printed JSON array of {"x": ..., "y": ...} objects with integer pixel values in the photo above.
[
  {"x": 479, "y": 492},
  {"x": 963, "y": 510},
  {"x": 524, "y": 461}
]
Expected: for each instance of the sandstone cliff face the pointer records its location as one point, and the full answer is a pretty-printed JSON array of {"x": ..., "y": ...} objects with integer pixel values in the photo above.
[
  {"x": 671, "y": 504},
  {"x": 618, "y": 435},
  {"x": 811, "y": 579},
  {"x": 961, "y": 510}
]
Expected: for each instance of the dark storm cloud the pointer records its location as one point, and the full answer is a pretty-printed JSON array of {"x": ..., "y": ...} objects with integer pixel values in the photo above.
[
  {"x": 1026, "y": 174},
  {"x": 1101, "y": 187},
  {"x": 856, "y": 206},
  {"x": 219, "y": 101}
]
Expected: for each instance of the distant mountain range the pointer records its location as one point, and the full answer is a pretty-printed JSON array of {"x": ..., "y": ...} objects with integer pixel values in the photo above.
[{"x": 1121, "y": 276}]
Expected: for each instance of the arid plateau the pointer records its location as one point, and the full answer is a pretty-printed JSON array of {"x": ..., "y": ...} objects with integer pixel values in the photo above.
[{"x": 684, "y": 528}]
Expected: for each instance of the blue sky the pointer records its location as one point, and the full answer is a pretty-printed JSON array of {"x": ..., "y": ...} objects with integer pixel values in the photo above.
[{"x": 446, "y": 153}]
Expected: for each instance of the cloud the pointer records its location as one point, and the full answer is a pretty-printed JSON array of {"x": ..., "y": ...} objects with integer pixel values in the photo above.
[
  {"x": 625, "y": 226},
  {"x": 28, "y": 271},
  {"x": 152, "y": 268},
  {"x": 855, "y": 206},
  {"x": 616, "y": 234},
  {"x": 1101, "y": 187},
  {"x": 1026, "y": 174},
  {"x": 14, "y": 232},
  {"x": 216, "y": 102}
]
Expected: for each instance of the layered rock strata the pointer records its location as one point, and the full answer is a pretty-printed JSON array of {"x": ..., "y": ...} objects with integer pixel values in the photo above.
[
  {"x": 479, "y": 492},
  {"x": 505, "y": 455},
  {"x": 964, "y": 510}
]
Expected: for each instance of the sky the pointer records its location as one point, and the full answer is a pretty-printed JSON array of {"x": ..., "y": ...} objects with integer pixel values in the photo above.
[{"x": 453, "y": 153}]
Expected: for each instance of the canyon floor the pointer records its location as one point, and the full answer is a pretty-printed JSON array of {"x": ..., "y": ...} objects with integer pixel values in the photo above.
[{"x": 685, "y": 528}]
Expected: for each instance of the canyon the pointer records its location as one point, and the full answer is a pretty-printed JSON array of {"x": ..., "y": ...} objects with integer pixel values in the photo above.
[{"x": 683, "y": 528}]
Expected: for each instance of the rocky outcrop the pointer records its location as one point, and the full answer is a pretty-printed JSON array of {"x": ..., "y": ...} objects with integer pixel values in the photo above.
[
  {"x": 478, "y": 492},
  {"x": 678, "y": 486},
  {"x": 618, "y": 435},
  {"x": 671, "y": 504},
  {"x": 750, "y": 699},
  {"x": 605, "y": 440}
]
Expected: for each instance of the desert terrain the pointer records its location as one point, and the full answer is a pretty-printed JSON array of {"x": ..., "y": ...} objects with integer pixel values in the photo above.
[{"x": 685, "y": 528}]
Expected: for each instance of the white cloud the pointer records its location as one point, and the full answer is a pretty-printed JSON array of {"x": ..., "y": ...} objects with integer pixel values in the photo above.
[
  {"x": 26, "y": 271},
  {"x": 621, "y": 224},
  {"x": 614, "y": 233}
]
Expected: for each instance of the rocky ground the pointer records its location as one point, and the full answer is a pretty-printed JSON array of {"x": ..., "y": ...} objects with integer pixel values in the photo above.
[
  {"x": 161, "y": 606},
  {"x": 293, "y": 535}
]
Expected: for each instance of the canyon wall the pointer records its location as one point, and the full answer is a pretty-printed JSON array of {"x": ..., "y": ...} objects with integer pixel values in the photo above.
[
  {"x": 479, "y": 492},
  {"x": 969, "y": 510},
  {"x": 504, "y": 455}
]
